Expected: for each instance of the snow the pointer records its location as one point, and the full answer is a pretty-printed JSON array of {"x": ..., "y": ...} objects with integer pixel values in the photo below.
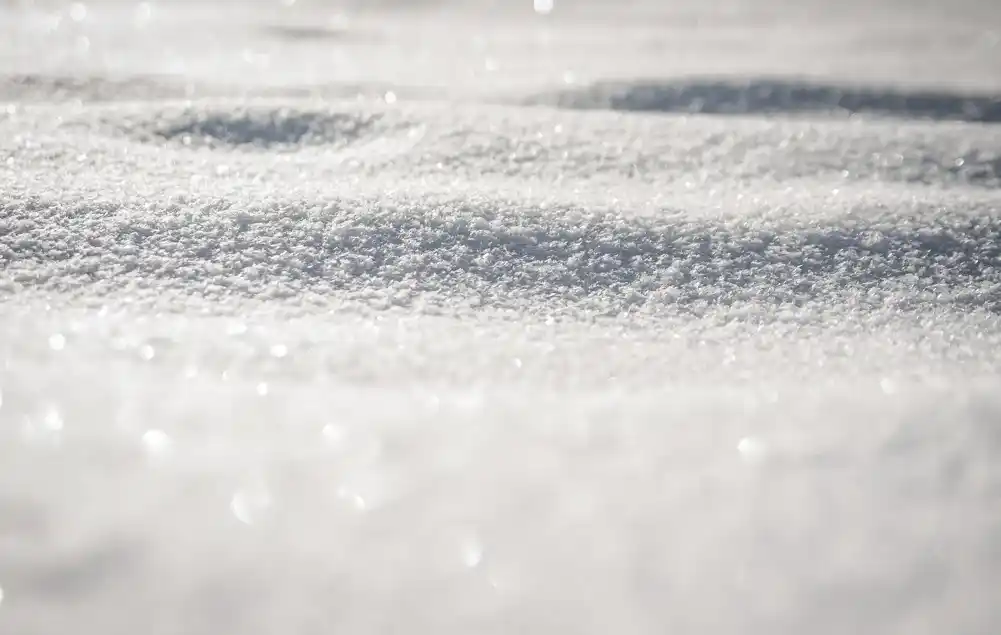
[{"x": 554, "y": 317}]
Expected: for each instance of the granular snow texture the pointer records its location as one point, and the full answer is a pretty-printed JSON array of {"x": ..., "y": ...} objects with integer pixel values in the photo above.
[{"x": 474, "y": 317}]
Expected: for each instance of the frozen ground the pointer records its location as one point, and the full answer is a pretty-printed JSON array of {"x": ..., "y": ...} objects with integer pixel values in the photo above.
[{"x": 430, "y": 317}]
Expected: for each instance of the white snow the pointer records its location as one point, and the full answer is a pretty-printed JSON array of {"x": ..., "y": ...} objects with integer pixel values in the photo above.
[{"x": 492, "y": 317}]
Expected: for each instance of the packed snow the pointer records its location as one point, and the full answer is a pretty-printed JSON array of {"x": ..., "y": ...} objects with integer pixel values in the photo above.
[{"x": 491, "y": 317}]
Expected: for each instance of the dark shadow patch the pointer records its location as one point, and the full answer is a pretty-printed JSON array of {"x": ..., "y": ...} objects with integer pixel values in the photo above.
[
  {"x": 23, "y": 519},
  {"x": 101, "y": 89},
  {"x": 58, "y": 88},
  {"x": 306, "y": 33},
  {"x": 69, "y": 576},
  {"x": 776, "y": 96},
  {"x": 265, "y": 128}
]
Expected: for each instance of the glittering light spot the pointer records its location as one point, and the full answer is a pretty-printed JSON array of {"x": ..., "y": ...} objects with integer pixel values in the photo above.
[
  {"x": 250, "y": 505},
  {"x": 543, "y": 7},
  {"x": 390, "y": 97},
  {"x": 355, "y": 499},
  {"x": 53, "y": 420},
  {"x": 279, "y": 350},
  {"x": 147, "y": 352},
  {"x": 144, "y": 11},
  {"x": 57, "y": 341},
  {"x": 472, "y": 552},
  {"x": 235, "y": 328},
  {"x": 729, "y": 357},
  {"x": 45, "y": 430},
  {"x": 333, "y": 435},
  {"x": 752, "y": 450},
  {"x": 191, "y": 372},
  {"x": 517, "y": 362},
  {"x": 78, "y": 12},
  {"x": 888, "y": 386},
  {"x": 157, "y": 444},
  {"x": 262, "y": 388},
  {"x": 1, "y": 595}
]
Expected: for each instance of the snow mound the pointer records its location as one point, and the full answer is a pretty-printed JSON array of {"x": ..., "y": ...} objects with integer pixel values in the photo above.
[
  {"x": 495, "y": 252},
  {"x": 502, "y": 207}
]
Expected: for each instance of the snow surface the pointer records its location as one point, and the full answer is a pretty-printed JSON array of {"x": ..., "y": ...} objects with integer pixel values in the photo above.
[{"x": 463, "y": 317}]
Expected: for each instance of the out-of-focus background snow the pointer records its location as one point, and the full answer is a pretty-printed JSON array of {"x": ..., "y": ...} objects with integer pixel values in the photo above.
[{"x": 493, "y": 317}]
